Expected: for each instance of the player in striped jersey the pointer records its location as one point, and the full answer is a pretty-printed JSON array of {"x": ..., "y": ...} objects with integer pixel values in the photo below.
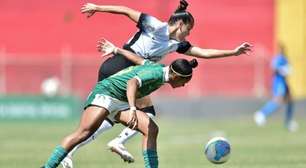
[
  {"x": 112, "y": 96},
  {"x": 154, "y": 40}
]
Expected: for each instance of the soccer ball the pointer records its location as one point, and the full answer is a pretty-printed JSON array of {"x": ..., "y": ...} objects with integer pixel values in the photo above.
[{"x": 217, "y": 150}]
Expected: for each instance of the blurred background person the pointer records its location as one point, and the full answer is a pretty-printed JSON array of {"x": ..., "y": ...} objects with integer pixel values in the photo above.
[
  {"x": 50, "y": 86},
  {"x": 280, "y": 92}
]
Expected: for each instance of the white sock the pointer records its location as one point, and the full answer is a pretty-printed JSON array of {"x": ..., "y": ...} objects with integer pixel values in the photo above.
[
  {"x": 125, "y": 135},
  {"x": 128, "y": 133},
  {"x": 103, "y": 127}
]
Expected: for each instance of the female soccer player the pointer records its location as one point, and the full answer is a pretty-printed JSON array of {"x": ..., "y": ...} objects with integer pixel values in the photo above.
[
  {"x": 154, "y": 40},
  {"x": 118, "y": 92},
  {"x": 280, "y": 93}
]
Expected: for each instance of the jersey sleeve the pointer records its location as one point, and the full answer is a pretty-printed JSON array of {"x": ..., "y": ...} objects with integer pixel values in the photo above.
[
  {"x": 183, "y": 47},
  {"x": 148, "y": 23},
  {"x": 147, "y": 76}
]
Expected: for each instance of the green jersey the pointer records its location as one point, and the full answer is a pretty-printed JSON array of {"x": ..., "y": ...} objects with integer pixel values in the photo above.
[{"x": 150, "y": 76}]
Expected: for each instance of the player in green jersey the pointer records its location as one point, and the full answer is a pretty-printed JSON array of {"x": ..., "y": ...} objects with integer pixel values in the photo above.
[
  {"x": 111, "y": 97},
  {"x": 154, "y": 40}
]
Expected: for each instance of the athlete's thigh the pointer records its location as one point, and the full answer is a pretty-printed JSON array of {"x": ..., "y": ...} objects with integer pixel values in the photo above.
[
  {"x": 279, "y": 92},
  {"x": 279, "y": 88},
  {"x": 144, "y": 102},
  {"x": 144, "y": 121},
  {"x": 107, "y": 68},
  {"x": 92, "y": 117}
]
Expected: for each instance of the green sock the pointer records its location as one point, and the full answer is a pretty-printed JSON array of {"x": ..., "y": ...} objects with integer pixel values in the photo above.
[
  {"x": 57, "y": 156},
  {"x": 150, "y": 158}
]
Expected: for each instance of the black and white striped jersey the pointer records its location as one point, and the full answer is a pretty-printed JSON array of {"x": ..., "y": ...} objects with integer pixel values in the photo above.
[{"x": 152, "y": 40}]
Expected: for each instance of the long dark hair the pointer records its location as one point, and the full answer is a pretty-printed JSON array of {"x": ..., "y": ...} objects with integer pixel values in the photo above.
[
  {"x": 181, "y": 14},
  {"x": 183, "y": 67}
]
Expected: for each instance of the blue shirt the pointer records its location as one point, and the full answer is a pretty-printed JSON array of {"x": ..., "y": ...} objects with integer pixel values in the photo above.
[{"x": 280, "y": 68}]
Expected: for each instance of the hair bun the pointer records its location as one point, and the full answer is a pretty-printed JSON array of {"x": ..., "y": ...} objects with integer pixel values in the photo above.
[
  {"x": 182, "y": 7},
  {"x": 193, "y": 63}
]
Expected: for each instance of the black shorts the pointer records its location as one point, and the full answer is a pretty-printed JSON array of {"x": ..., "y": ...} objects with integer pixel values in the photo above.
[{"x": 113, "y": 65}]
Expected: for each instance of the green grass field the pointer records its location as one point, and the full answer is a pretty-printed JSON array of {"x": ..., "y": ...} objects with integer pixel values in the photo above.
[{"x": 27, "y": 144}]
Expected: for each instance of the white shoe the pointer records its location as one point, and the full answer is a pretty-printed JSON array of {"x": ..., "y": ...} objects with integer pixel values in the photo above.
[
  {"x": 260, "y": 119},
  {"x": 67, "y": 162},
  {"x": 118, "y": 148},
  {"x": 292, "y": 126}
]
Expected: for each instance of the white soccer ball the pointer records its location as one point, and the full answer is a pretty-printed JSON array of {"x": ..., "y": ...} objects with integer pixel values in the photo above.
[{"x": 217, "y": 150}]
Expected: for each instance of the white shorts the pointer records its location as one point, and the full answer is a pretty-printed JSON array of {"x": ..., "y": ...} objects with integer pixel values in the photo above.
[{"x": 111, "y": 104}]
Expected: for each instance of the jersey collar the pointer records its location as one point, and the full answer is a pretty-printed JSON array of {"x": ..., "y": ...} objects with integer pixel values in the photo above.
[
  {"x": 167, "y": 31},
  {"x": 166, "y": 73}
]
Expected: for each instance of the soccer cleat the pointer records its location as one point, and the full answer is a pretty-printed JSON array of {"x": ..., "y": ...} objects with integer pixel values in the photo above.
[
  {"x": 67, "y": 162},
  {"x": 119, "y": 149},
  {"x": 259, "y": 119},
  {"x": 292, "y": 126}
]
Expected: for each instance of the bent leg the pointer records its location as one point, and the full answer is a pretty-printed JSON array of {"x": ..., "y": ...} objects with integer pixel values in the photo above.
[
  {"x": 289, "y": 107},
  {"x": 127, "y": 133},
  {"x": 149, "y": 129},
  {"x": 146, "y": 126},
  {"x": 91, "y": 119},
  {"x": 106, "y": 125},
  {"x": 145, "y": 105},
  {"x": 272, "y": 106},
  {"x": 117, "y": 144}
]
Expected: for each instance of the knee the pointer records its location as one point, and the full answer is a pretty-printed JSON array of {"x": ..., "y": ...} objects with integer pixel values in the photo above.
[{"x": 278, "y": 100}]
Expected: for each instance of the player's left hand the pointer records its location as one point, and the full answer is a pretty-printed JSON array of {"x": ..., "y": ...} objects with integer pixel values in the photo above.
[
  {"x": 106, "y": 47},
  {"x": 244, "y": 48}
]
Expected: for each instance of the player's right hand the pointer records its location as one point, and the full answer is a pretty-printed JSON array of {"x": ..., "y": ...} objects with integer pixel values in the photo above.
[
  {"x": 106, "y": 47},
  {"x": 132, "y": 123},
  {"x": 89, "y": 9}
]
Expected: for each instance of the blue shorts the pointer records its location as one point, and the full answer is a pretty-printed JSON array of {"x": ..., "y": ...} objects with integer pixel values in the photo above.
[{"x": 279, "y": 89}]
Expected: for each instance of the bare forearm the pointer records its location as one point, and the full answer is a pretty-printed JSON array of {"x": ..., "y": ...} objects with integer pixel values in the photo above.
[
  {"x": 112, "y": 9},
  {"x": 130, "y": 56},
  {"x": 132, "y": 86},
  {"x": 132, "y": 14},
  {"x": 212, "y": 53},
  {"x": 244, "y": 48}
]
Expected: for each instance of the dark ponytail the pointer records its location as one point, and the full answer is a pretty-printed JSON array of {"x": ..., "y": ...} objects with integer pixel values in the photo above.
[
  {"x": 182, "y": 7},
  {"x": 183, "y": 67},
  {"x": 193, "y": 63},
  {"x": 181, "y": 14}
]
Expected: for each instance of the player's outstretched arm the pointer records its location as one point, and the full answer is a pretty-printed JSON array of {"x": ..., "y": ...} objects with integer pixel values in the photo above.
[
  {"x": 90, "y": 9},
  {"x": 244, "y": 48},
  {"x": 108, "y": 48}
]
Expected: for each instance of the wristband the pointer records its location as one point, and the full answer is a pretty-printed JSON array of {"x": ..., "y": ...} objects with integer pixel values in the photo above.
[
  {"x": 133, "y": 108},
  {"x": 115, "y": 50}
]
